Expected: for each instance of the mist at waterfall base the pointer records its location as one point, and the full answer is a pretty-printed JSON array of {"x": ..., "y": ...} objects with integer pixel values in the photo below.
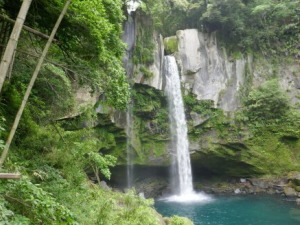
[
  {"x": 235, "y": 210},
  {"x": 182, "y": 184}
]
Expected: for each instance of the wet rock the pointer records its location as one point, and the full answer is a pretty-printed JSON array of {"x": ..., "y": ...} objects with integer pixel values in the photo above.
[
  {"x": 237, "y": 191},
  {"x": 297, "y": 188},
  {"x": 290, "y": 192},
  {"x": 259, "y": 183},
  {"x": 243, "y": 180},
  {"x": 151, "y": 187},
  {"x": 142, "y": 195},
  {"x": 295, "y": 179}
]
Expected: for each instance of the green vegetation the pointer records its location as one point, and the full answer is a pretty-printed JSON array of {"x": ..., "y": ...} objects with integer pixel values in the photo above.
[
  {"x": 147, "y": 73},
  {"x": 25, "y": 203},
  {"x": 176, "y": 220},
  {"x": 151, "y": 125},
  {"x": 266, "y": 103},
  {"x": 268, "y": 26},
  {"x": 171, "y": 44},
  {"x": 265, "y": 129},
  {"x": 63, "y": 150},
  {"x": 144, "y": 45}
]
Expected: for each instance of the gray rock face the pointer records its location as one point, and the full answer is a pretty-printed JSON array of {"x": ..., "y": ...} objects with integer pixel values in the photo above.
[
  {"x": 156, "y": 68},
  {"x": 198, "y": 119},
  {"x": 207, "y": 72}
]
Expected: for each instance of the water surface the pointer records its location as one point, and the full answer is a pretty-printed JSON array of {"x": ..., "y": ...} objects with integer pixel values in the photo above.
[{"x": 235, "y": 210}]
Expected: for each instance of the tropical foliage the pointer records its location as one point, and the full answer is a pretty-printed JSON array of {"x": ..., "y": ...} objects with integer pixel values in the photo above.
[{"x": 268, "y": 25}]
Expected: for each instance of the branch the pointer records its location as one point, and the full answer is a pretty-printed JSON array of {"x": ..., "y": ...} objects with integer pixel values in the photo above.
[
  {"x": 31, "y": 30},
  {"x": 16, "y": 200}
]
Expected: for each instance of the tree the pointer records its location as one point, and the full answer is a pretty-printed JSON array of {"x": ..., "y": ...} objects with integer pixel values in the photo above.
[
  {"x": 13, "y": 41},
  {"x": 88, "y": 151},
  {"x": 30, "y": 86},
  {"x": 266, "y": 103}
]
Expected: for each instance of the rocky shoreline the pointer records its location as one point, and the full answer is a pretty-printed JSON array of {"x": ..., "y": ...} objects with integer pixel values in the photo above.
[{"x": 287, "y": 187}]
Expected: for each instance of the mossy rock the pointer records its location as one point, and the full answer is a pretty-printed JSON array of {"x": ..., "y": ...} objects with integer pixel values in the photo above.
[
  {"x": 297, "y": 188},
  {"x": 294, "y": 177},
  {"x": 171, "y": 45}
]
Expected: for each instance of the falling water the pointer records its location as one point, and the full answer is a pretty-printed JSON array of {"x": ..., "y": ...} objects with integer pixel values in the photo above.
[
  {"x": 178, "y": 126},
  {"x": 129, "y": 39},
  {"x": 180, "y": 144},
  {"x": 130, "y": 150},
  {"x": 132, "y": 5}
]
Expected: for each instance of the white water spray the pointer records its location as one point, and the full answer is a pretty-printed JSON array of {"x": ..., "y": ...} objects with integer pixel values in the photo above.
[
  {"x": 132, "y": 5},
  {"x": 180, "y": 145}
]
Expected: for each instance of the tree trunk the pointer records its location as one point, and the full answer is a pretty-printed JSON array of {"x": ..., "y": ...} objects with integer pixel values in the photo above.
[
  {"x": 33, "y": 78},
  {"x": 96, "y": 172},
  {"x": 13, "y": 41},
  {"x": 4, "y": 36}
]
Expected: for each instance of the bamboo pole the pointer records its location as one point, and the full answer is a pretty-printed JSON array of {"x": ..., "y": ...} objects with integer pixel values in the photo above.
[
  {"x": 10, "y": 176},
  {"x": 29, "y": 88},
  {"x": 13, "y": 41}
]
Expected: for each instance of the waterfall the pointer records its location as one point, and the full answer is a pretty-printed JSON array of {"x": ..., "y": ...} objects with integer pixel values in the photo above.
[
  {"x": 130, "y": 150},
  {"x": 180, "y": 144},
  {"x": 132, "y": 5},
  {"x": 129, "y": 39},
  {"x": 182, "y": 172}
]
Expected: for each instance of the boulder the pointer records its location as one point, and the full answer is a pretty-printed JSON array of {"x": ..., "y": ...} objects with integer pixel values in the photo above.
[
  {"x": 295, "y": 179},
  {"x": 297, "y": 188},
  {"x": 237, "y": 191},
  {"x": 259, "y": 183},
  {"x": 104, "y": 185},
  {"x": 290, "y": 192},
  {"x": 243, "y": 180}
]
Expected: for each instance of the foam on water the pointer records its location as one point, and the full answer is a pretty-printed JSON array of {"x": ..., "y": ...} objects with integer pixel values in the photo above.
[{"x": 191, "y": 197}]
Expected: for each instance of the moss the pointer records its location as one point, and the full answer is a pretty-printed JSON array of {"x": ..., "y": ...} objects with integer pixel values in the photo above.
[
  {"x": 171, "y": 45},
  {"x": 146, "y": 72},
  {"x": 144, "y": 46},
  {"x": 158, "y": 148},
  {"x": 147, "y": 101},
  {"x": 236, "y": 55},
  {"x": 177, "y": 220}
]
